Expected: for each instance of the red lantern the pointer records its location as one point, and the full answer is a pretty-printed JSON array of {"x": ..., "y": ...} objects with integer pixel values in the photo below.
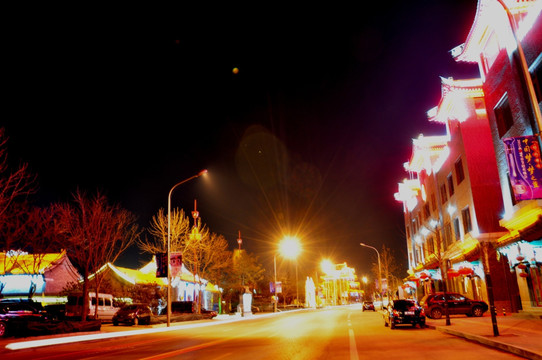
[
  {"x": 423, "y": 276},
  {"x": 466, "y": 271},
  {"x": 522, "y": 266},
  {"x": 523, "y": 274},
  {"x": 520, "y": 257},
  {"x": 453, "y": 272}
]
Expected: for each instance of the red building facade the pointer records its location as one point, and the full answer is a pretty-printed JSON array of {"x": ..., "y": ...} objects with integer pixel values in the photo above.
[{"x": 506, "y": 42}]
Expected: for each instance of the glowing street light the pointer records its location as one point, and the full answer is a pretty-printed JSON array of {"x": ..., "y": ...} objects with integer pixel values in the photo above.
[
  {"x": 203, "y": 172},
  {"x": 290, "y": 248},
  {"x": 330, "y": 270},
  {"x": 379, "y": 267}
]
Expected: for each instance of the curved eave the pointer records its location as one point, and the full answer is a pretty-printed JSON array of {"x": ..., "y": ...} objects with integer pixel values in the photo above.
[
  {"x": 488, "y": 12},
  {"x": 451, "y": 104}
]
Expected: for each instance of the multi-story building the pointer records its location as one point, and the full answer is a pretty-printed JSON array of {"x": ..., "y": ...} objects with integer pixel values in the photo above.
[
  {"x": 506, "y": 42},
  {"x": 452, "y": 200}
]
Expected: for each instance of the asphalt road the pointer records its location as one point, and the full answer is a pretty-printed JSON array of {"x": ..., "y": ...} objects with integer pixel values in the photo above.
[{"x": 337, "y": 333}]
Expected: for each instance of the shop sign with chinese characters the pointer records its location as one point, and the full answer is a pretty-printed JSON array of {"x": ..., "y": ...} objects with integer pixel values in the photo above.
[{"x": 525, "y": 166}]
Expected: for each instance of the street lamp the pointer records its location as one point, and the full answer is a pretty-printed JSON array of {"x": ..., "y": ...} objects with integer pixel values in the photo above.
[
  {"x": 379, "y": 267},
  {"x": 276, "y": 294},
  {"x": 169, "y": 242},
  {"x": 290, "y": 248}
]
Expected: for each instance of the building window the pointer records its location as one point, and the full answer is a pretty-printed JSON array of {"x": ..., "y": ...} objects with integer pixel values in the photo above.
[
  {"x": 433, "y": 202},
  {"x": 459, "y": 173},
  {"x": 427, "y": 213},
  {"x": 443, "y": 196},
  {"x": 503, "y": 115},
  {"x": 450, "y": 185},
  {"x": 467, "y": 222},
  {"x": 447, "y": 236},
  {"x": 490, "y": 52},
  {"x": 457, "y": 232},
  {"x": 430, "y": 245}
]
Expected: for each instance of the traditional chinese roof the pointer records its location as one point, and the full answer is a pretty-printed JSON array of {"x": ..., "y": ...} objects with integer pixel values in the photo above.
[
  {"x": 147, "y": 275},
  {"x": 15, "y": 262},
  {"x": 452, "y": 102},
  {"x": 491, "y": 16},
  {"x": 425, "y": 151}
]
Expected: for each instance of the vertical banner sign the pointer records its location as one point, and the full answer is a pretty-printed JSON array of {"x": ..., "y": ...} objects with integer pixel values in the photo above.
[
  {"x": 525, "y": 166},
  {"x": 176, "y": 263},
  {"x": 161, "y": 265}
]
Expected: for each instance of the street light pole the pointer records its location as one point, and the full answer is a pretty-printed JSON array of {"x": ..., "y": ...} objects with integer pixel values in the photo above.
[
  {"x": 291, "y": 248},
  {"x": 379, "y": 267},
  {"x": 169, "y": 242},
  {"x": 296, "y": 286},
  {"x": 276, "y": 294}
]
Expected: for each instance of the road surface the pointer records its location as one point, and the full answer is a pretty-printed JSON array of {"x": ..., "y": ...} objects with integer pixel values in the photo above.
[{"x": 344, "y": 333}]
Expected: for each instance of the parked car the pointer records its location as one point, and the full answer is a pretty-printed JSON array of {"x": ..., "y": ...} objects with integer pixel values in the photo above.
[
  {"x": 16, "y": 314},
  {"x": 188, "y": 307},
  {"x": 368, "y": 305},
  {"x": 105, "y": 302},
  {"x": 403, "y": 312},
  {"x": 133, "y": 314},
  {"x": 56, "y": 311},
  {"x": 433, "y": 304}
]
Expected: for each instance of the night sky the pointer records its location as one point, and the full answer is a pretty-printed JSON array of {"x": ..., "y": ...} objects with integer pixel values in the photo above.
[{"x": 308, "y": 138}]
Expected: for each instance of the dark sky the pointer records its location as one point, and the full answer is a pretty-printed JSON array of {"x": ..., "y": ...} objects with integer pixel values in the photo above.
[{"x": 308, "y": 138}]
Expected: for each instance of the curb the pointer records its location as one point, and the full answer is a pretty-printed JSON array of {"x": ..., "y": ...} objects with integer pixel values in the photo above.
[{"x": 516, "y": 350}]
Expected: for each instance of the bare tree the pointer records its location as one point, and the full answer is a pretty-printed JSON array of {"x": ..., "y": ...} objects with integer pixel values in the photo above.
[
  {"x": 14, "y": 185},
  {"x": 244, "y": 270},
  {"x": 212, "y": 259},
  {"x": 38, "y": 239},
  {"x": 193, "y": 250},
  {"x": 96, "y": 233},
  {"x": 179, "y": 227},
  {"x": 436, "y": 252}
]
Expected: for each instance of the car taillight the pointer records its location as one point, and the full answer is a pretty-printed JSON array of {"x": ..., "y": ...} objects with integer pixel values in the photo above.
[
  {"x": 422, "y": 312},
  {"x": 395, "y": 313}
]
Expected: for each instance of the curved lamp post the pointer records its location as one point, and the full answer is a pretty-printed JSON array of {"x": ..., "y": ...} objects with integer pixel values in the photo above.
[
  {"x": 379, "y": 267},
  {"x": 169, "y": 242}
]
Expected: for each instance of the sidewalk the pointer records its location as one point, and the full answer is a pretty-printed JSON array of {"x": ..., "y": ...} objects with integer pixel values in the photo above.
[{"x": 518, "y": 334}]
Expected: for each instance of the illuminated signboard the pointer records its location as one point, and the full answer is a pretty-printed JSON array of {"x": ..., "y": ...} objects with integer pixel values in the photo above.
[{"x": 525, "y": 166}]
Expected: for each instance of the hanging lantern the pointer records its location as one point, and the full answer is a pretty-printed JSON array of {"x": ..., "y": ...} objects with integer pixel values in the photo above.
[
  {"x": 522, "y": 266},
  {"x": 523, "y": 274},
  {"x": 423, "y": 276},
  {"x": 520, "y": 257},
  {"x": 452, "y": 273},
  {"x": 465, "y": 271}
]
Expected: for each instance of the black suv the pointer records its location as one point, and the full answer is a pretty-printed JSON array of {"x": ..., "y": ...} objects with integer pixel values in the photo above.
[
  {"x": 433, "y": 304},
  {"x": 133, "y": 314},
  {"x": 403, "y": 312},
  {"x": 16, "y": 314}
]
